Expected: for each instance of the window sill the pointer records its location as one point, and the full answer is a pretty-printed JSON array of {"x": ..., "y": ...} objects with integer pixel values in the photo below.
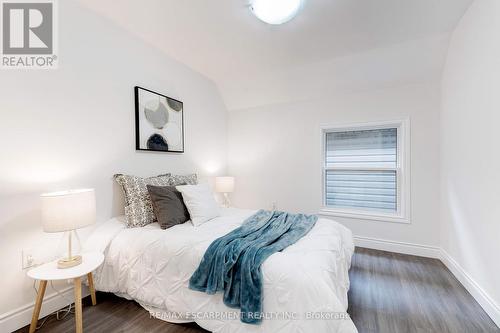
[{"x": 364, "y": 216}]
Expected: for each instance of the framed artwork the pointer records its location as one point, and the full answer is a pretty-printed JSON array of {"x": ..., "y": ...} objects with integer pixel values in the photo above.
[{"x": 159, "y": 122}]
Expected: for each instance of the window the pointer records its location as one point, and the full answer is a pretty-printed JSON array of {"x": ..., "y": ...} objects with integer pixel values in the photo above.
[{"x": 364, "y": 171}]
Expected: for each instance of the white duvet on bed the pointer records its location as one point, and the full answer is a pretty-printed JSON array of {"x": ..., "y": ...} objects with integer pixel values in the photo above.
[{"x": 305, "y": 286}]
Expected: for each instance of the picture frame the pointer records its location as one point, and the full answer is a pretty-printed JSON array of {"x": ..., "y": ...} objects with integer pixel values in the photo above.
[{"x": 159, "y": 122}]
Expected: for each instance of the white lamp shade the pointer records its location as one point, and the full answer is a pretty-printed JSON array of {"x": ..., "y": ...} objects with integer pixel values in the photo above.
[
  {"x": 68, "y": 210},
  {"x": 224, "y": 184}
]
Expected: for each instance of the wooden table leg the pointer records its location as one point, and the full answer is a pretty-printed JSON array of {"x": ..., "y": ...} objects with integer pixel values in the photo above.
[
  {"x": 38, "y": 305},
  {"x": 91, "y": 287},
  {"x": 78, "y": 305}
]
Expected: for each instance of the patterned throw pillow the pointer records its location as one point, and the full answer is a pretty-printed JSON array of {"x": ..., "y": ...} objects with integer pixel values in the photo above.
[
  {"x": 176, "y": 180},
  {"x": 138, "y": 208}
]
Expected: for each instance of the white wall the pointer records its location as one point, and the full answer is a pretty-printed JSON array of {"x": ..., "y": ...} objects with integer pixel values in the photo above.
[
  {"x": 275, "y": 154},
  {"x": 470, "y": 149},
  {"x": 411, "y": 62},
  {"x": 74, "y": 127}
]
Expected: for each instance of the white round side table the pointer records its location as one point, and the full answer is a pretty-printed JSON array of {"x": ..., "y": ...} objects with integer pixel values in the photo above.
[{"x": 50, "y": 272}]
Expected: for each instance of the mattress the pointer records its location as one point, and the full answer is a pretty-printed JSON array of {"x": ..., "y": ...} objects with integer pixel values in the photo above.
[{"x": 304, "y": 286}]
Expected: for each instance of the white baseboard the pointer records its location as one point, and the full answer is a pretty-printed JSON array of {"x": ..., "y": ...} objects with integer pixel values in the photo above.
[
  {"x": 398, "y": 247},
  {"x": 486, "y": 302},
  {"x": 20, "y": 317}
]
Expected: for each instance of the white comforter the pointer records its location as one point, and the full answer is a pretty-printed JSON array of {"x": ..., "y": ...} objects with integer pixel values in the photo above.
[{"x": 305, "y": 286}]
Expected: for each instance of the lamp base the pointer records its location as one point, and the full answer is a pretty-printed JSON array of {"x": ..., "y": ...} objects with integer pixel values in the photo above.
[
  {"x": 226, "y": 202},
  {"x": 69, "y": 262}
]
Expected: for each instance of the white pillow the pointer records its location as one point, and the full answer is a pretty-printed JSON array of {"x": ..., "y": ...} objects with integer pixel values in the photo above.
[{"x": 200, "y": 203}]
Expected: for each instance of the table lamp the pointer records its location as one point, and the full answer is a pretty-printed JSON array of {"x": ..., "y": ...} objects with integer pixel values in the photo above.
[
  {"x": 224, "y": 185},
  {"x": 68, "y": 211}
]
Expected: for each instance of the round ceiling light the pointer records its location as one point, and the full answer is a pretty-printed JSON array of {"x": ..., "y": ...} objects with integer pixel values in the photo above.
[{"x": 275, "y": 11}]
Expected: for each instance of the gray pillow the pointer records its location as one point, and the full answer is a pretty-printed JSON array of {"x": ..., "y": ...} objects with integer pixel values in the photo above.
[{"x": 168, "y": 206}]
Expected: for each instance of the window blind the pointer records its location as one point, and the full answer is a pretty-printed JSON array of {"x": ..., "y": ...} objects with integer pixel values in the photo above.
[{"x": 361, "y": 169}]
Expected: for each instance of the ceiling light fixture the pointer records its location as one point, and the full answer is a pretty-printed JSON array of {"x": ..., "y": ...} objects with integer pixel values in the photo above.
[{"x": 275, "y": 11}]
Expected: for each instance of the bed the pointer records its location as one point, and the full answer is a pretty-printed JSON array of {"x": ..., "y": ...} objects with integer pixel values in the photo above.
[{"x": 305, "y": 286}]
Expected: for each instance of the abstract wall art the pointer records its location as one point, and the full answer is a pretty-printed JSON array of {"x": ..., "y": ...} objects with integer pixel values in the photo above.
[{"x": 159, "y": 122}]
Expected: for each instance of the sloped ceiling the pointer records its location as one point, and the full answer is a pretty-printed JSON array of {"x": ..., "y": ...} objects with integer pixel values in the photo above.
[{"x": 222, "y": 40}]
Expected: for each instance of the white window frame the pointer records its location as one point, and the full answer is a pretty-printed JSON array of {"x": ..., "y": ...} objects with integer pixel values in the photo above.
[{"x": 402, "y": 214}]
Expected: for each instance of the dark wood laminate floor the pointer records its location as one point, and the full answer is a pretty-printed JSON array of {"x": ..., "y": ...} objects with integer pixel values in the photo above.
[
  {"x": 399, "y": 293},
  {"x": 389, "y": 293}
]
